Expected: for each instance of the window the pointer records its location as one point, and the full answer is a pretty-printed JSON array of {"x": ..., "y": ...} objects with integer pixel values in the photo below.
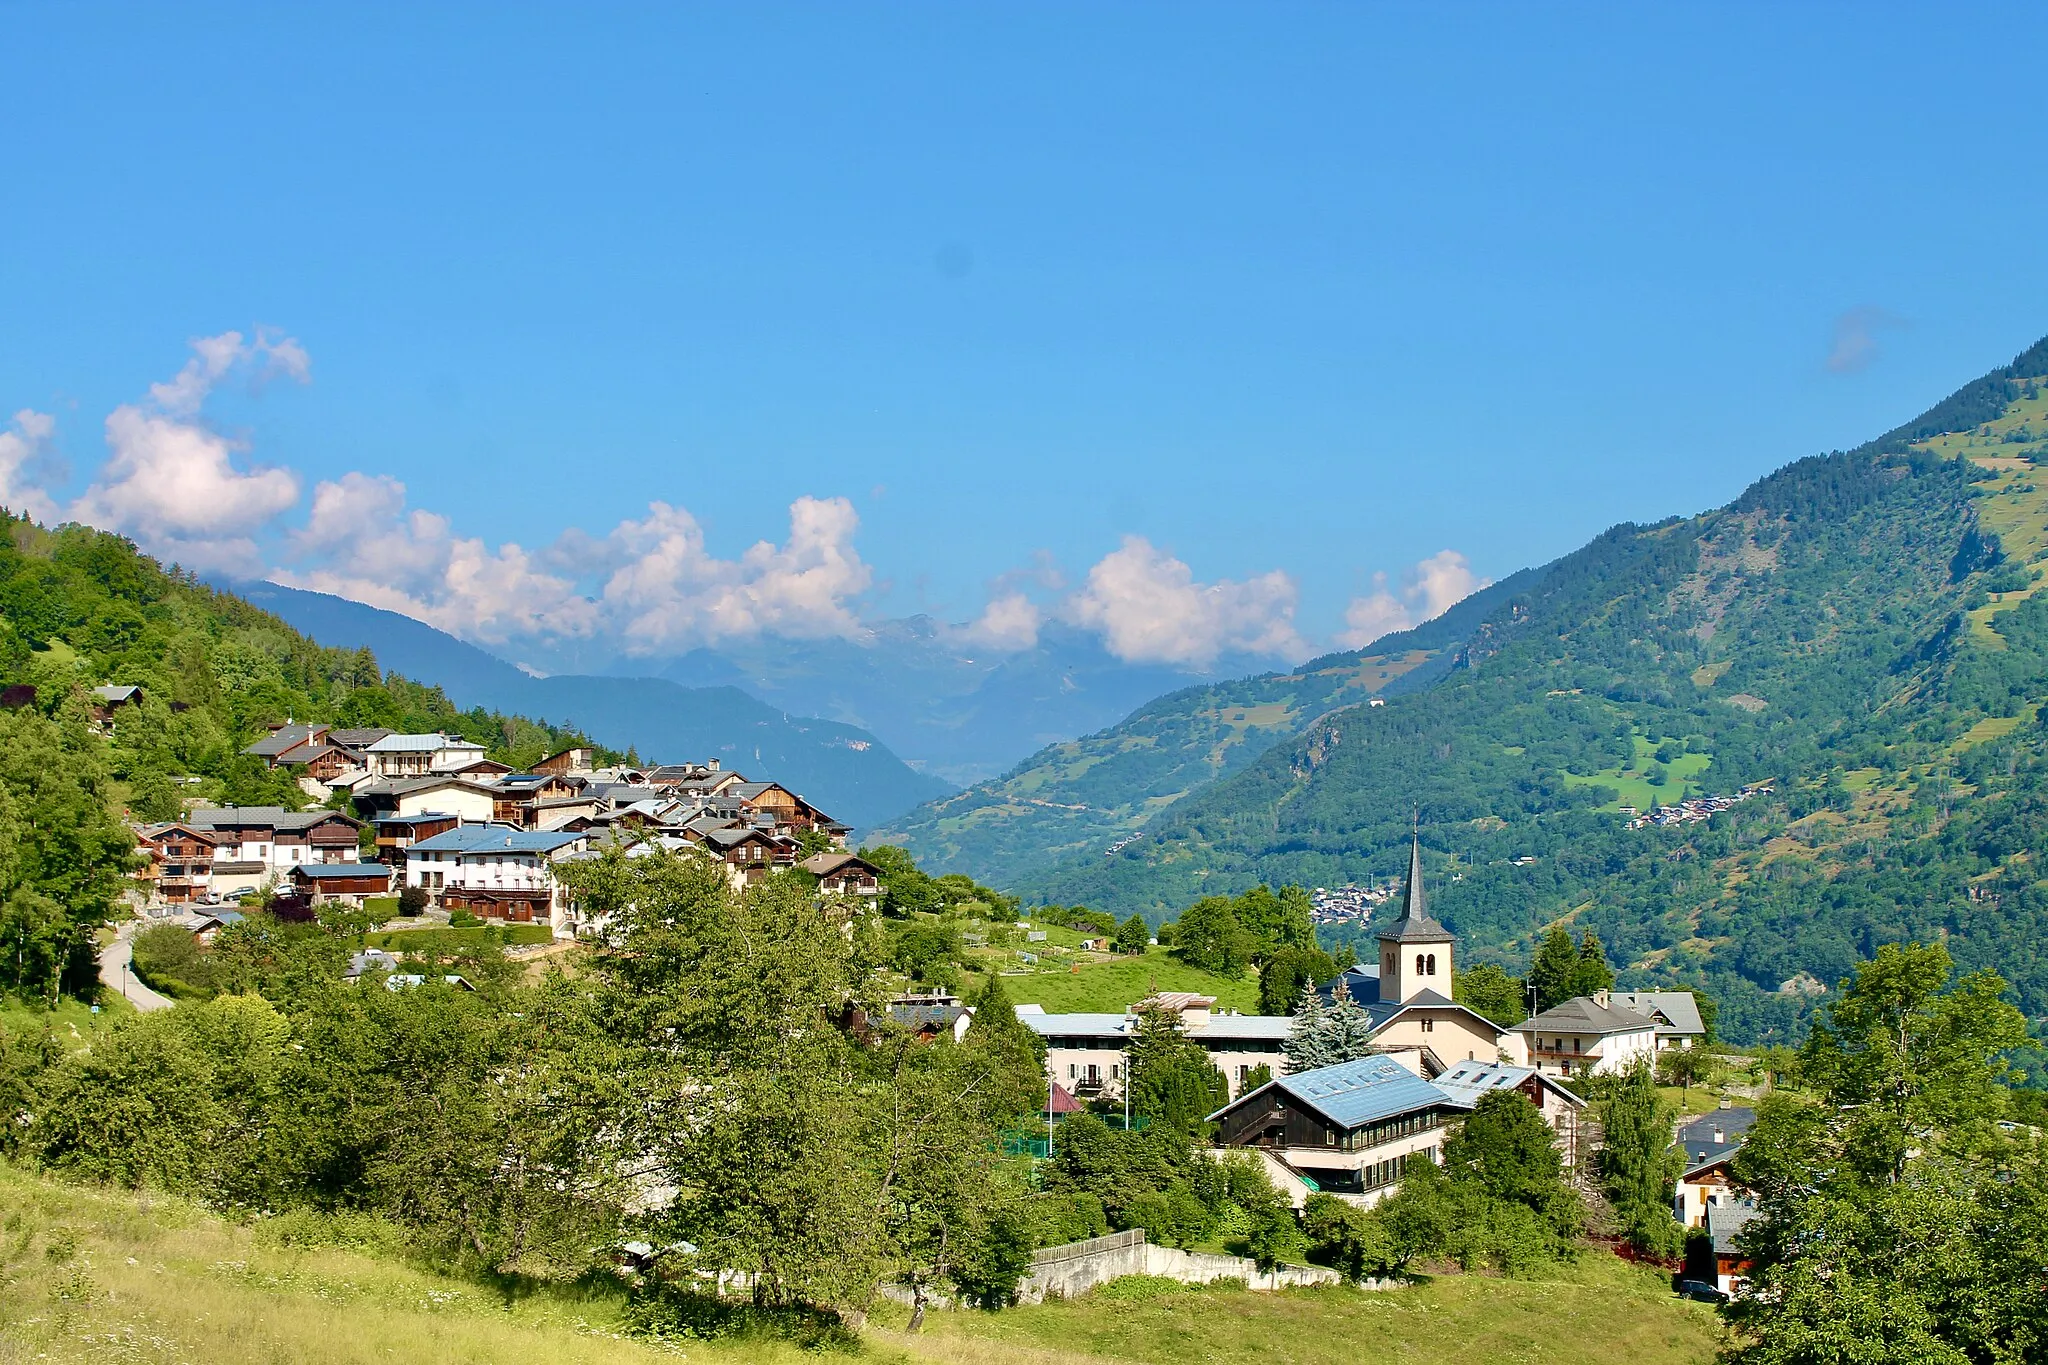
[
  {"x": 1420, "y": 968},
  {"x": 1429, "y": 1026}
]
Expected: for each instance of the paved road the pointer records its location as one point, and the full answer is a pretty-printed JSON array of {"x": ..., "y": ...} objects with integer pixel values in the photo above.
[{"x": 119, "y": 978}]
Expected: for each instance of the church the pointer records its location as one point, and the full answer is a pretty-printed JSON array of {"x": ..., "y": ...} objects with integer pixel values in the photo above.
[{"x": 1407, "y": 993}]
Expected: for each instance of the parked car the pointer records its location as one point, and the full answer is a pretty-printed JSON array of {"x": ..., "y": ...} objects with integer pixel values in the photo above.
[{"x": 1701, "y": 1291}]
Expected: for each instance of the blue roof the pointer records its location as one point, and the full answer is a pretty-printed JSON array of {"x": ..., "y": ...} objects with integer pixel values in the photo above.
[
  {"x": 494, "y": 837},
  {"x": 1353, "y": 1094}
]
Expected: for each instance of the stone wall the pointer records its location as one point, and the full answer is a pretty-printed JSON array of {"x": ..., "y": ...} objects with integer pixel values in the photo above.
[{"x": 1064, "y": 1271}]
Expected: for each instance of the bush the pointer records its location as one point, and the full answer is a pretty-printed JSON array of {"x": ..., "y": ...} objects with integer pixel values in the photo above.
[
  {"x": 169, "y": 959},
  {"x": 1071, "y": 1217},
  {"x": 412, "y": 901}
]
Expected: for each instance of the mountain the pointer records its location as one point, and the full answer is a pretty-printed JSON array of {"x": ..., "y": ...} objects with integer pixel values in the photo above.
[
  {"x": 1863, "y": 633},
  {"x": 955, "y": 710},
  {"x": 843, "y": 768},
  {"x": 1080, "y": 797}
]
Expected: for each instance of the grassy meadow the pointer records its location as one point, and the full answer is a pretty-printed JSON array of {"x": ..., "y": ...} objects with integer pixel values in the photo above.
[
  {"x": 92, "y": 1275},
  {"x": 1116, "y": 983}
]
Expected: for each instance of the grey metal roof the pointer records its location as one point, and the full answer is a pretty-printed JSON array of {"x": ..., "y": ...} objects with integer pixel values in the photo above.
[
  {"x": 256, "y": 817},
  {"x": 1357, "y": 1093},
  {"x": 1724, "y": 1221},
  {"x": 1583, "y": 1014},
  {"x": 283, "y": 738},
  {"x": 322, "y": 871},
  {"x": 1715, "y": 1134},
  {"x": 1675, "y": 1013}
]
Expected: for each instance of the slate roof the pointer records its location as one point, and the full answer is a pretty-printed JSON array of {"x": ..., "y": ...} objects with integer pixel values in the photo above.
[
  {"x": 1583, "y": 1014},
  {"x": 1356, "y": 1093},
  {"x": 323, "y": 871},
  {"x": 939, "y": 1017},
  {"x": 1675, "y": 1013},
  {"x": 1697, "y": 1136},
  {"x": 493, "y": 838},
  {"x": 1724, "y": 1221},
  {"x": 1414, "y": 924},
  {"x": 115, "y": 693},
  {"x": 825, "y": 864},
  {"x": 284, "y": 739},
  {"x": 253, "y": 817},
  {"x": 361, "y": 737}
]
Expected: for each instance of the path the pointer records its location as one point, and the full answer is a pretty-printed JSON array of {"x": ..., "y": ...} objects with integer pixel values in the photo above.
[{"x": 117, "y": 976}]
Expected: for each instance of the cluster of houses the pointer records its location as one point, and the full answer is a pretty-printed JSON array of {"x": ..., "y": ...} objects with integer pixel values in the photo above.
[
  {"x": 1350, "y": 1129},
  {"x": 1693, "y": 809},
  {"x": 434, "y": 813}
]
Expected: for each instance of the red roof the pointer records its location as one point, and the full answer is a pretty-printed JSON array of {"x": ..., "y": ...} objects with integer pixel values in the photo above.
[{"x": 1062, "y": 1102}]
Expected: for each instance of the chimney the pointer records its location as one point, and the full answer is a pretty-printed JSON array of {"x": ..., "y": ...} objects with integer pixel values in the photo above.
[
  {"x": 1602, "y": 999},
  {"x": 1727, "y": 1103},
  {"x": 712, "y": 765},
  {"x": 1720, "y": 1135}
]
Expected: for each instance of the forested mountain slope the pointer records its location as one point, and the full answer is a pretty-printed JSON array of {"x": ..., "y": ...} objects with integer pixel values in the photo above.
[
  {"x": 845, "y": 769},
  {"x": 79, "y": 608},
  {"x": 1863, "y": 631},
  {"x": 1077, "y": 798}
]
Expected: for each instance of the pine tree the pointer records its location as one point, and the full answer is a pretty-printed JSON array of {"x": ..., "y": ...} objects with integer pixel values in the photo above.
[
  {"x": 1591, "y": 974},
  {"x": 1308, "y": 1042},
  {"x": 1551, "y": 972},
  {"x": 1350, "y": 1028}
]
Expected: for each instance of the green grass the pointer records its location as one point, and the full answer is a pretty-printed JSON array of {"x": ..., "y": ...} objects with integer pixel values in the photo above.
[
  {"x": 1596, "y": 1312},
  {"x": 1111, "y": 986},
  {"x": 1680, "y": 775},
  {"x": 72, "y": 1021}
]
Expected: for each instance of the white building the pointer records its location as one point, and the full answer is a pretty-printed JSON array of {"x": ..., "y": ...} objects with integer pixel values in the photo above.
[
  {"x": 419, "y": 755},
  {"x": 1587, "y": 1036},
  {"x": 1085, "y": 1052},
  {"x": 1675, "y": 1013},
  {"x": 492, "y": 870}
]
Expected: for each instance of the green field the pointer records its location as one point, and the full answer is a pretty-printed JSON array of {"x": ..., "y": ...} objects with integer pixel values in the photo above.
[
  {"x": 1116, "y": 984},
  {"x": 394, "y": 940},
  {"x": 90, "y": 1275},
  {"x": 1679, "y": 778}
]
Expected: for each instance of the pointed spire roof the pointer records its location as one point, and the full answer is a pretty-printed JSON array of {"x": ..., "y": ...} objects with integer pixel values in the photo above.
[{"x": 1414, "y": 924}]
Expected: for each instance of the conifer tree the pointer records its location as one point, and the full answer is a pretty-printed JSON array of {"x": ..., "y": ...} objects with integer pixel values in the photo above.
[
  {"x": 1308, "y": 1042},
  {"x": 1552, "y": 971},
  {"x": 1350, "y": 1028},
  {"x": 1591, "y": 974},
  {"x": 1638, "y": 1162}
]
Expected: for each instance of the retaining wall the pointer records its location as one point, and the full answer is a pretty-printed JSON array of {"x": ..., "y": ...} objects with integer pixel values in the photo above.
[{"x": 1065, "y": 1271}]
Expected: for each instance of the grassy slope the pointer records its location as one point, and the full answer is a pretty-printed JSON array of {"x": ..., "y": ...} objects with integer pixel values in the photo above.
[
  {"x": 89, "y": 1275},
  {"x": 1599, "y": 1311},
  {"x": 1116, "y": 984},
  {"x": 1078, "y": 797}
]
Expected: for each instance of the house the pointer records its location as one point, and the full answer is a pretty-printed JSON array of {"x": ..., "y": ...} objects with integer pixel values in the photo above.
[
  {"x": 484, "y": 770},
  {"x": 274, "y": 839},
  {"x": 843, "y": 874},
  {"x": 343, "y": 883},
  {"x": 369, "y": 960},
  {"x": 419, "y": 755},
  {"x": 930, "y": 1014},
  {"x": 1714, "y": 1259},
  {"x": 286, "y": 739},
  {"x": 111, "y": 697},
  {"x": 1085, "y": 1052},
  {"x": 1407, "y": 989},
  {"x": 493, "y": 870},
  {"x": 750, "y": 854},
  {"x": 397, "y": 833},
  {"x": 1587, "y": 1036},
  {"x": 520, "y": 796},
  {"x": 1351, "y": 1129},
  {"x": 415, "y": 796},
  {"x": 1561, "y": 1109},
  {"x": 581, "y": 760},
  {"x": 208, "y": 926},
  {"x": 1706, "y": 1182},
  {"x": 1675, "y": 1013},
  {"x": 180, "y": 860}
]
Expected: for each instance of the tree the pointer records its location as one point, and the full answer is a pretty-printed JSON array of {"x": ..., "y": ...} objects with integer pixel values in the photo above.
[
  {"x": 1552, "y": 973},
  {"x": 1350, "y": 1027},
  {"x": 1686, "y": 1067},
  {"x": 1286, "y": 971},
  {"x": 1506, "y": 1150},
  {"x": 1208, "y": 936},
  {"x": 1015, "y": 1054},
  {"x": 1308, "y": 1046},
  {"x": 1637, "y": 1162},
  {"x": 1591, "y": 974},
  {"x": 1172, "y": 1081},
  {"x": 1133, "y": 936},
  {"x": 1491, "y": 992}
]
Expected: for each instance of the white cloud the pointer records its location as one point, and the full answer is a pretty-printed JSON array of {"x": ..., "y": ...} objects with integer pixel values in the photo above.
[
  {"x": 1434, "y": 585},
  {"x": 1009, "y": 622},
  {"x": 360, "y": 542},
  {"x": 24, "y": 453},
  {"x": 669, "y": 592},
  {"x": 171, "y": 482},
  {"x": 1149, "y": 609}
]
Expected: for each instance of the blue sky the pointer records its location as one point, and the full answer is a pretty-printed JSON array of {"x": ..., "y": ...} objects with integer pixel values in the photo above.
[{"x": 1314, "y": 291}]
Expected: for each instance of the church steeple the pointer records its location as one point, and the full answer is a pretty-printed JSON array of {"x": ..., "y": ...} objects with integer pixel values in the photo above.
[{"x": 1406, "y": 972}]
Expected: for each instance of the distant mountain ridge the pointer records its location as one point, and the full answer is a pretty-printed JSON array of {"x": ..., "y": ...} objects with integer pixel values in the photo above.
[
  {"x": 1863, "y": 634},
  {"x": 845, "y": 769},
  {"x": 1084, "y": 795}
]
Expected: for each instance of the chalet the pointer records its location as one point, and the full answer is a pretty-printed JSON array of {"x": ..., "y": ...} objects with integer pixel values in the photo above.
[
  {"x": 180, "y": 861},
  {"x": 397, "y": 833},
  {"x": 931, "y": 1014},
  {"x": 208, "y": 926},
  {"x": 843, "y": 874},
  {"x": 414, "y": 796},
  {"x": 750, "y": 854},
  {"x": 493, "y": 870},
  {"x": 275, "y": 838},
  {"x": 1675, "y": 1013},
  {"x": 420, "y": 755},
  {"x": 1350, "y": 1128},
  {"x": 484, "y": 770},
  {"x": 111, "y": 697},
  {"x": 1706, "y": 1182},
  {"x": 1715, "y": 1258},
  {"x": 1085, "y": 1052},
  {"x": 344, "y": 883},
  {"x": 581, "y": 760},
  {"x": 517, "y": 796},
  {"x": 1588, "y": 1036},
  {"x": 1407, "y": 993},
  {"x": 284, "y": 740}
]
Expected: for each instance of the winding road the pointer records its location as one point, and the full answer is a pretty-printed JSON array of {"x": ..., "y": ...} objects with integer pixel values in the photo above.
[{"x": 119, "y": 977}]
